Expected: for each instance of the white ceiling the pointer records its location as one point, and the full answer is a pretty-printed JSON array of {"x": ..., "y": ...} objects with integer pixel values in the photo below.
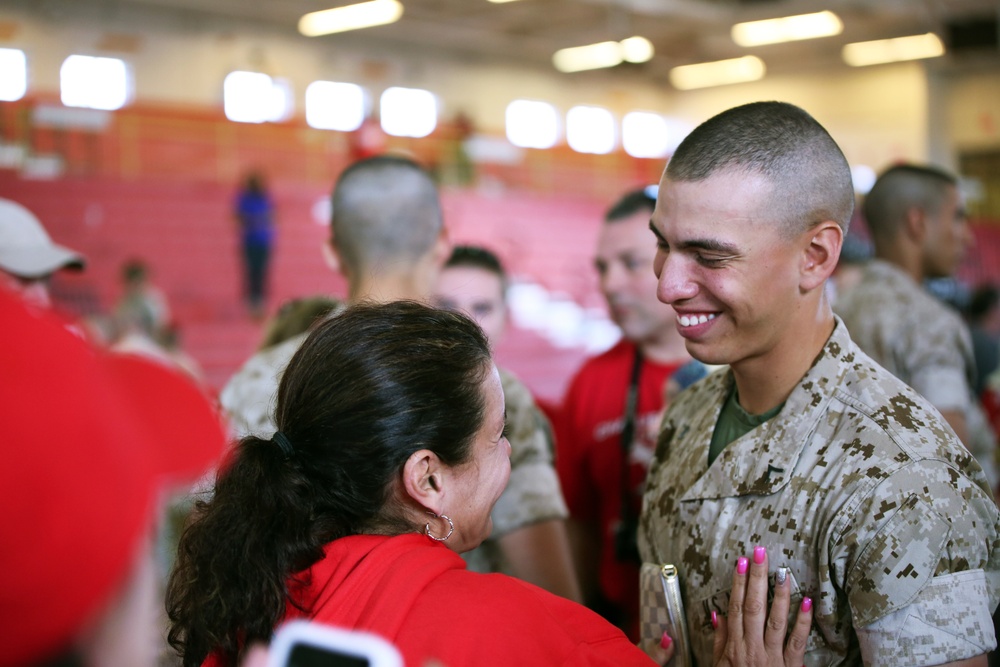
[{"x": 528, "y": 32}]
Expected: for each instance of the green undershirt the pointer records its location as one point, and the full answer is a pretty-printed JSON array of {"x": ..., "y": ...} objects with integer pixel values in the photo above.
[{"x": 735, "y": 422}]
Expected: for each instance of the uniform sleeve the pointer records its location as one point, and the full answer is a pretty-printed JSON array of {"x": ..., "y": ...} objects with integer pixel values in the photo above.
[
  {"x": 927, "y": 574},
  {"x": 533, "y": 493},
  {"x": 249, "y": 397},
  {"x": 934, "y": 355}
]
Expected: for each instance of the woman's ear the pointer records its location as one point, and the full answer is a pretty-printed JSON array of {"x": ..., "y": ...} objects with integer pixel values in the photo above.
[
  {"x": 821, "y": 255},
  {"x": 423, "y": 480}
]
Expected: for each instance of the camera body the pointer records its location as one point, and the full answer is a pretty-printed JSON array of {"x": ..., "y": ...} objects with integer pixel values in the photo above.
[{"x": 308, "y": 644}]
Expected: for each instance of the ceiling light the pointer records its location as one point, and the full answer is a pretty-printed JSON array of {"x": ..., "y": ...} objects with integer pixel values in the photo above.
[
  {"x": 603, "y": 54},
  {"x": 718, "y": 73},
  {"x": 787, "y": 29},
  {"x": 882, "y": 51},
  {"x": 636, "y": 49},
  {"x": 351, "y": 17}
]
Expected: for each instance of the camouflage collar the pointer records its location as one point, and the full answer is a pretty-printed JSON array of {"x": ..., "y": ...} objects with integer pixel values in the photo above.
[{"x": 762, "y": 461}]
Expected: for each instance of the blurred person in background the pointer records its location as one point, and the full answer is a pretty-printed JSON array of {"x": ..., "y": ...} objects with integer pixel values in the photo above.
[
  {"x": 28, "y": 257},
  {"x": 608, "y": 420},
  {"x": 93, "y": 440},
  {"x": 529, "y": 539},
  {"x": 297, "y": 316},
  {"x": 254, "y": 210},
  {"x": 142, "y": 305},
  {"x": 142, "y": 322},
  {"x": 919, "y": 229}
]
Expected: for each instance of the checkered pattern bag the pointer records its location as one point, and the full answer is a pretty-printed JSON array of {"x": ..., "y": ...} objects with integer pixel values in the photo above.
[{"x": 661, "y": 609}]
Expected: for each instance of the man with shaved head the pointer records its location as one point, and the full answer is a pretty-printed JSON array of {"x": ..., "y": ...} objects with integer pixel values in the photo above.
[
  {"x": 387, "y": 239},
  {"x": 389, "y": 242},
  {"x": 919, "y": 230},
  {"x": 802, "y": 458}
]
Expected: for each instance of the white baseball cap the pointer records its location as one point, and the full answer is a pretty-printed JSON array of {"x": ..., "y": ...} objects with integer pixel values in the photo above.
[{"x": 26, "y": 250}]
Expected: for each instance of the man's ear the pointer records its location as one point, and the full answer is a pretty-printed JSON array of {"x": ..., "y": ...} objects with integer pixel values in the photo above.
[
  {"x": 820, "y": 255},
  {"x": 423, "y": 480},
  {"x": 442, "y": 247},
  {"x": 332, "y": 257},
  {"x": 915, "y": 225}
]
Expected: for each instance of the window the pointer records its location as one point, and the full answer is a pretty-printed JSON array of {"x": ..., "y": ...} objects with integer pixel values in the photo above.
[
  {"x": 590, "y": 130},
  {"x": 532, "y": 124},
  {"x": 13, "y": 75},
  {"x": 254, "y": 97},
  {"x": 408, "y": 112},
  {"x": 94, "y": 82},
  {"x": 335, "y": 106}
]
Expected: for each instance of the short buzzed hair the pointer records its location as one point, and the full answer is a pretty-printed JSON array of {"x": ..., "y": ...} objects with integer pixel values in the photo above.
[
  {"x": 782, "y": 143},
  {"x": 385, "y": 208},
  {"x": 632, "y": 202},
  {"x": 477, "y": 257},
  {"x": 897, "y": 190}
]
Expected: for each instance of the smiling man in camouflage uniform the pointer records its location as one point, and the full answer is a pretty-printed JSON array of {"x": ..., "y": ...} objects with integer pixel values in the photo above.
[{"x": 803, "y": 445}]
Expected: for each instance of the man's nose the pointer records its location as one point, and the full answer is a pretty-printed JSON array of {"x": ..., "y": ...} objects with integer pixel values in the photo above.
[{"x": 674, "y": 280}]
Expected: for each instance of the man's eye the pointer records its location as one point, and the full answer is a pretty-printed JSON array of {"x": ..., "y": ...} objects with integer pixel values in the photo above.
[
  {"x": 706, "y": 260},
  {"x": 506, "y": 430}
]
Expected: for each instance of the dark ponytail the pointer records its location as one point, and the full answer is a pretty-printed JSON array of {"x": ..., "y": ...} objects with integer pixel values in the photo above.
[{"x": 252, "y": 534}]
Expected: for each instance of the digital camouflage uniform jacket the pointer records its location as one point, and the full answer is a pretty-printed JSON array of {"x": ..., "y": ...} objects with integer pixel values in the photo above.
[
  {"x": 860, "y": 488},
  {"x": 532, "y": 494},
  {"x": 924, "y": 343}
]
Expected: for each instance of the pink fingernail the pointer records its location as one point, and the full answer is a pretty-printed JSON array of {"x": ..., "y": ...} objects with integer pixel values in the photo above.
[
  {"x": 807, "y": 604},
  {"x": 741, "y": 565},
  {"x": 715, "y": 619},
  {"x": 758, "y": 555},
  {"x": 665, "y": 641}
]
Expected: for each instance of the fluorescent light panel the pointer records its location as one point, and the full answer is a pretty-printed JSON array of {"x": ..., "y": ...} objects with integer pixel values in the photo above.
[
  {"x": 881, "y": 51},
  {"x": 787, "y": 29},
  {"x": 603, "y": 54},
  {"x": 13, "y": 75},
  {"x": 351, "y": 17},
  {"x": 718, "y": 73}
]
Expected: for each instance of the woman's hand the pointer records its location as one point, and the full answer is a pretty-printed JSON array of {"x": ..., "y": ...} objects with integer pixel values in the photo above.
[
  {"x": 662, "y": 651},
  {"x": 749, "y": 636}
]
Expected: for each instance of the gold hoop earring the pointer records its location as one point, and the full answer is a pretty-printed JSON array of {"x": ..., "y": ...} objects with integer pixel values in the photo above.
[{"x": 427, "y": 527}]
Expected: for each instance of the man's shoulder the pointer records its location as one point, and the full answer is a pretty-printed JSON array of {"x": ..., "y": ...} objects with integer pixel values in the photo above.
[
  {"x": 886, "y": 294},
  {"x": 529, "y": 431},
  {"x": 891, "y": 420},
  {"x": 515, "y": 392},
  {"x": 265, "y": 365},
  {"x": 247, "y": 397}
]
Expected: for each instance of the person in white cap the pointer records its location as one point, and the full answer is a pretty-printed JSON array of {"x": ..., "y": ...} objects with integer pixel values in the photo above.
[{"x": 28, "y": 257}]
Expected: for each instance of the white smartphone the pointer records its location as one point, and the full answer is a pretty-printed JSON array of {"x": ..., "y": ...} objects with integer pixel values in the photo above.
[{"x": 308, "y": 644}]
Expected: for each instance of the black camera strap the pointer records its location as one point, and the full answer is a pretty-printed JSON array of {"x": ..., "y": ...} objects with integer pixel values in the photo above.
[{"x": 627, "y": 515}]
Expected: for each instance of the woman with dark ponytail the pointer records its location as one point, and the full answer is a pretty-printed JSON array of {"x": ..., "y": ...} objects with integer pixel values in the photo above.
[{"x": 389, "y": 457}]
